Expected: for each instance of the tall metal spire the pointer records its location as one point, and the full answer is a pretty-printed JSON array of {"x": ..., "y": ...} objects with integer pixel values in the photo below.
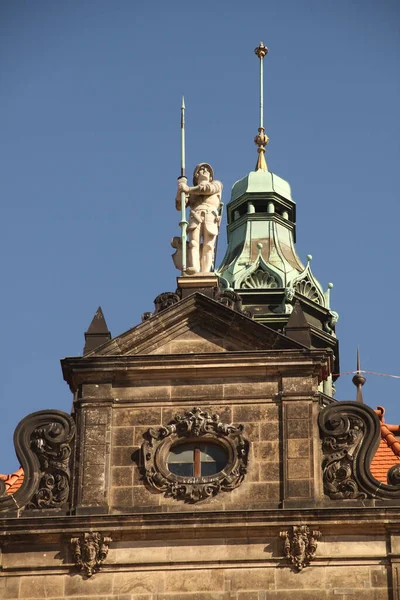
[
  {"x": 261, "y": 140},
  {"x": 359, "y": 379}
]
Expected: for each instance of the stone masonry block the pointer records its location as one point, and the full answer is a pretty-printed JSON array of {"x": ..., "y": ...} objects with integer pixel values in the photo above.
[
  {"x": 122, "y": 497},
  {"x": 270, "y": 471},
  {"x": 48, "y": 586},
  {"x": 9, "y": 587},
  {"x": 99, "y": 585},
  {"x": 299, "y": 468},
  {"x": 298, "y": 410},
  {"x": 96, "y": 416},
  {"x": 267, "y": 451},
  {"x": 269, "y": 431},
  {"x": 139, "y": 582},
  {"x": 195, "y": 596},
  {"x": 122, "y": 476},
  {"x": 95, "y": 435},
  {"x": 300, "y": 488},
  {"x": 299, "y": 384},
  {"x": 123, "y": 436},
  {"x": 251, "y": 389},
  {"x": 255, "y": 413},
  {"x": 251, "y": 579},
  {"x": 298, "y": 428},
  {"x": 142, "y": 391},
  {"x": 197, "y": 391},
  {"x": 298, "y": 448},
  {"x": 125, "y": 417},
  {"x": 211, "y": 580},
  {"x": 123, "y": 456},
  {"x": 95, "y": 455}
]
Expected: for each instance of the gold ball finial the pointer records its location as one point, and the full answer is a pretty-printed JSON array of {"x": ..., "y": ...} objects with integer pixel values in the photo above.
[{"x": 261, "y": 51}]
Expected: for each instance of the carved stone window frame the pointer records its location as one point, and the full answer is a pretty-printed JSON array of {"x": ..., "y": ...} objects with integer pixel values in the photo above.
[{"x": 191, "y": 427}]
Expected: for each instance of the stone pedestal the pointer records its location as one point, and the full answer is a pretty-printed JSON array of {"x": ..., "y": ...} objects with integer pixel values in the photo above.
[{"x": 204, "y": 283}]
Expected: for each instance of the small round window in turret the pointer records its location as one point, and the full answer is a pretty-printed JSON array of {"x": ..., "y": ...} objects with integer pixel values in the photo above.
[{"x": 197, "y": 459}]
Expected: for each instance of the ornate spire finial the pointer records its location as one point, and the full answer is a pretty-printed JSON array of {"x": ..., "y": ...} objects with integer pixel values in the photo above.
[
  {"x": 261, "y": 140},
  {"x": 359, "y": 379}
]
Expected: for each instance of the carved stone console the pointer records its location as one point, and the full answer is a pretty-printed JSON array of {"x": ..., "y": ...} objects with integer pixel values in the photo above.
[
  {"x": 90, "y": 551},
  {"x": 350, "y": 434},
  {"x": 300, "y": 545},
  {"x": 44, "y": 445},
  {"x": 221, "y": 444}
]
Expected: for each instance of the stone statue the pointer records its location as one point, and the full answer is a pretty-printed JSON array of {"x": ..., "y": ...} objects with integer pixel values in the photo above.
[{"x": 204, "y": 200}]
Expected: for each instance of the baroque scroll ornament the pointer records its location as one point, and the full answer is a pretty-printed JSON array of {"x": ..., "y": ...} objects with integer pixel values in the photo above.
[
  {"x": 300, "y": 545},
  {"x": 90, "y": 551},
  {"x": 340, "y": 450},
  {"x": 200, "y": 425},
  {"x": 52, "y": 443}
]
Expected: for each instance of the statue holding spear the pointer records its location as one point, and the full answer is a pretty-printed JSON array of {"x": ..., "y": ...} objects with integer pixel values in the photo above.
[{"x": 204, "y": 201}]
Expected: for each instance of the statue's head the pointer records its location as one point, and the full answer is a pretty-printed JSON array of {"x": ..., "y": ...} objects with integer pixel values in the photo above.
[{"x": 203, "y": 172}]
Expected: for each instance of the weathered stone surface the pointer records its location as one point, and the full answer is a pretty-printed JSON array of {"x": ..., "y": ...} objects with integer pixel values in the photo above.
[
  {"x": 256, "y": 413},
  {"x": 124, "y": 417},
  {"x": 122, "y": 476},
  {"x": 270, "y": 431},
  {"x": 267, "y": 451},
  {"x": 299, "y": 384},
  {"x": 139, "y": 582},
  {"x": 9, "y": 587},
  {"x": 95, "y": 455},
  {"x": 100, "y": 584},
  {"x": 51, "y": 586},
  {"x": 298, "y": 410},
  {"x": 197, "y": 390},
  {"x": 298, "y": 428},
  {"x": 251, "y": 389},
  {"x": 299, "y": 468},
  {"x": 123, "y": 436},
  {"x": 299, "y": 488},
  {"x": 251, "y": 578},
  {"x": 270, "y": 471},
  {"x": 122, "y": 496},
  {"x": 298, "y": 448},
  {"x": 196, "y": 580},
  {"x": 196, "y": 596},
  {"x": 123, "y": 456}
]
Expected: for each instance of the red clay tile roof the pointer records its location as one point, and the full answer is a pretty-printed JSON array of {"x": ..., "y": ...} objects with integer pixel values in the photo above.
[
  {"x": 388, "y": 453},
  {"x": 14, "y": 481}
]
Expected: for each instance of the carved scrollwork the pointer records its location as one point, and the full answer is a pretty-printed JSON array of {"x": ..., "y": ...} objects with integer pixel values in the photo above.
[
  {"x": 43, "y": 442},
  {"x": 232, "y": 300},
  {"x": 350, "y": 435},
  {"x": 300, "y": 545},
  {"x": 165, "y": 300},
  {"x": 52, "y": 445},
  {"x": 340, "y": 449},
  {"x": 195, "y": 425},
  {"x": 90, "y": 551}
]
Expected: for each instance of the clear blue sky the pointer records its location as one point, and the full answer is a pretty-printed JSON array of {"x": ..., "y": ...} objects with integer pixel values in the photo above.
[{"x": 89, "y": 154}]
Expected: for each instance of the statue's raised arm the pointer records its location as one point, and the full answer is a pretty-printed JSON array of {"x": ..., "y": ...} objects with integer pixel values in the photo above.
[{"x": 204, "y": 200}]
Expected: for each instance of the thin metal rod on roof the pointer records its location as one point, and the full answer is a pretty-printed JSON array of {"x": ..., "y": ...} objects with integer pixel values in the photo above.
[{"x": 359, "y": 379}]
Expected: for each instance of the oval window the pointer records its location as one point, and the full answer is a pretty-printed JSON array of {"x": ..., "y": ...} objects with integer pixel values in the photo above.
[{"x": 197, "y": 459}]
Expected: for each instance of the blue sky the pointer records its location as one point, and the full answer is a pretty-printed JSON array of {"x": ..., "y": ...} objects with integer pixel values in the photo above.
[{"x": 89, "y": 150}]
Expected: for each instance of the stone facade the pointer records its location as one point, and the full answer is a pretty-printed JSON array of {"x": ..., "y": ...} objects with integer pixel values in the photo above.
[{"x": 278, "y": 534}]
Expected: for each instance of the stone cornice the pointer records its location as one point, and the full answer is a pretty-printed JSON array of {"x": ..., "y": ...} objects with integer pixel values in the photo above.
[
  {"x": 194, "y": 525},
  {"x": 92, "y": 369}
]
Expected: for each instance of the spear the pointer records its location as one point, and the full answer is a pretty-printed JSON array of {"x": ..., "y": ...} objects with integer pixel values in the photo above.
[{"x": 183, "y": 224}]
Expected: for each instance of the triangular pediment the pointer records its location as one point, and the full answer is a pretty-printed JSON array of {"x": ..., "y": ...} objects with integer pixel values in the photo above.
[{"x": 195, "y": 325}]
